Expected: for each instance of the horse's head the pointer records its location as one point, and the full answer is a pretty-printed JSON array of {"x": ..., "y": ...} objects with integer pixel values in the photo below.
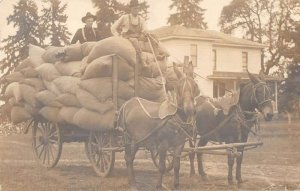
[
  {"x": 260, "y": 96},
  {"x": 186, "y": 89}
]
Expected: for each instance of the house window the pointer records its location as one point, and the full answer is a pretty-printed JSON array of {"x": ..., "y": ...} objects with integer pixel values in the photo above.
[
  {"x": 194, "y": 54},
  {"x": 218, "y": 89},
  {"x": 215, "y": 59},
  {"x": 244, "y": 61}
]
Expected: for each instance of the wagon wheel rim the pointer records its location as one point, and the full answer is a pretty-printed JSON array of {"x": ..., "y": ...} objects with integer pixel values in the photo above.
[
  {"x": 46, "y": 143},
  {"x": 102, "y": 161},
  {"x": 169, "y": 159}
]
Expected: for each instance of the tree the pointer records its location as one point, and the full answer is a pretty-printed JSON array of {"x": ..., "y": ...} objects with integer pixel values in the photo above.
[
  {"x": 26, "y": 21},
  {"x": 263, "y": 21},
  {"x": 188, "y": 13},
  {"x": 54, "y": 21},
  {"x": 111, "y": 10}
]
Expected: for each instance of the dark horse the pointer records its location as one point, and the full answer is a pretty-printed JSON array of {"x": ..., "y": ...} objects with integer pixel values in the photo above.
[
  {"x": 253, "y": 95},
  {"x": 143, "y": 129}
]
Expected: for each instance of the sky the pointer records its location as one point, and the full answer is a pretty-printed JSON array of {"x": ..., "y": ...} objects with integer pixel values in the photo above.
[{"x": 158, "y": 13}]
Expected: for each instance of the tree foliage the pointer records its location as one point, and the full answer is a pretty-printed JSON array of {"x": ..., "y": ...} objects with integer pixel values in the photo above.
[
  {"x": 53, "y": 22},
  {"x": 108, "y": 11},
  {"x": 188, "y": 13},
  {"x": 25, "y": 20},
  {"x": 263, "y": 21}
]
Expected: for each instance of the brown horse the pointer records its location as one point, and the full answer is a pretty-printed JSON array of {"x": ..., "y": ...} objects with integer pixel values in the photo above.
[
  {"x": 143, "y": 129},
  {"x": 253, "y": 95}
]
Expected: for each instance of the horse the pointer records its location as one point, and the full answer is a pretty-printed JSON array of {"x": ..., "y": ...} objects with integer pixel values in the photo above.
[
  {"x": 234, "y": 129},
  {"x": 143, "y": 130}
]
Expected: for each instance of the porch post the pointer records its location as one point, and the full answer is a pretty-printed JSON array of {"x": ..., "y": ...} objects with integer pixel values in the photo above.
[
  {"x": 234, "y": 85},
  {"x": 276, "y": 98}
]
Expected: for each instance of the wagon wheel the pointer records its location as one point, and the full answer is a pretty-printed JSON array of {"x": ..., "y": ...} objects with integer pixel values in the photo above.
[
  {"x": 46, "y": 143},
  {"x": 102, "y": 161},
  {"x": 169, "y": 159}
]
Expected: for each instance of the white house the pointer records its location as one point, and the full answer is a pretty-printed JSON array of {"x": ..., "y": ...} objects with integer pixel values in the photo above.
[{"x": 221, "y": 60}]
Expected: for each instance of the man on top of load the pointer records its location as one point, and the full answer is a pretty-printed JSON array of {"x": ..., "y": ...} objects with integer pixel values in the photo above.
[
  {"x": 88, "y": 33},
  {"x": 130, "y": 25}
]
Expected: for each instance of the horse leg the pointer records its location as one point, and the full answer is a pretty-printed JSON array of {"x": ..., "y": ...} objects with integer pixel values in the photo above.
[
  {"x": 230, "y": 162},
  {"x": 192, "y": 157},
  {"x": 176, "y": 163},
  {"x": 162, "y": 152},
  {"x": 239, "y": 159},
  {"x": 200, "y": 161},
  {"x": 130, "y": 152}
]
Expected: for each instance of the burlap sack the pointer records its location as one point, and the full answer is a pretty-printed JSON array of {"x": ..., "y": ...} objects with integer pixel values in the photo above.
[
  {"x": 73, "y": 53},
  {"x": 51, "y": 54},
  {"x": 47, "y": 72},
  {"x": 13, "y": 90},
  {"x": 83, "y": 65},
  {"x": 36, "y": 83},
  {"x": 47, "y": 98},
  {"x": 114, "y": 45},
  {"x": 67, "y": 84},
  {"x": 66, "y": 114},
  {"x": 24, "y": 64},
  {"x": 90, "y": 102},
  {"x": 149, "y": 66},
  {"x": 68, "y": 99},
  {"x": 19, "y": 114},
  {"x": 50, "y": 113},
  {"x": 31, "y": 110},
  {"x": 28, "y": 94},
  {"x": 151, "y": 89},
  {"x": 101, "y": 88},
  {"x": 29, "y": 72},
  {"x": 103, "y": 67},
  {"x": 35, "y": 55},
  {"x": 87, "y": 47},
  {"x": 68, "y": 68},
  {"x": 90, "y": 120},
  {"x": 14, "y": 77},
  {"x": 51, "y": 87}
]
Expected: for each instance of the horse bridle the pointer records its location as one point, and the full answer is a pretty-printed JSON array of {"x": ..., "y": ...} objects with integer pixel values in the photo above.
[{"x": 254, "y": 97}]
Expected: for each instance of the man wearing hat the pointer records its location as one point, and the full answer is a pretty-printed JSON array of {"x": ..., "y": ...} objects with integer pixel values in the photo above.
[
  {"x": 88, "y": 33},
  {"x": 130, "y": 25}
]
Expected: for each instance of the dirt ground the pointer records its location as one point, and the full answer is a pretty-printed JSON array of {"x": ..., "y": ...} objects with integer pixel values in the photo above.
[{"x": 274, "y": 166}]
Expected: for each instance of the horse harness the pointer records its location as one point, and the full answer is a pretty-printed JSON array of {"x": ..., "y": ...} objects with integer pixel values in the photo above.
[{"x": 266, "y": 90}]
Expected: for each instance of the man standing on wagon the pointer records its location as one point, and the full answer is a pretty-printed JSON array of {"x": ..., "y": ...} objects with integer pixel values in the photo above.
[{"x": 88, "y": 33}]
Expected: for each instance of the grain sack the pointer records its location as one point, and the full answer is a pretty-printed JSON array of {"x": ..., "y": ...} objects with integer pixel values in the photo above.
[
  {"x": 24, "y": 64},
  {"x": 28, "y": 94},
  {"x": 83, "y": 65},
  {"x": 68, "y": 99},
  {"x": 35, "y": 55},
  {"x": 87, "y": 47},
  {"x": 101, "y": 88},
  {"x": 51, "y": 87},
  {"x": 48, "y": 98},
  {"x": 171, "y": 79},
  {"x": 90, "y": 120},
  {"x": 151, "y": 89},
  {"x": 90, "y": 102},
  {"x": 13, "y": 90},
  {"x": 68, "y": 68},
  {"x": 19, "y": 114},
  {"x": 149, "y": 67},
  {"x": 50, "y": 113},
  {"x": 66, "y": 114},
  {"x": 67, "y": 84},
  {"x": 103, "y": 66},
  {"x": 29, "y": 72},
  {"x": 47, "y": 72},
  {"x": 12, "y": 101},
  {"x": 31, "y": 110},
  {"x": 114, "y": 45},
  {"x": 14, "y": 77},
  {"x": 51, "y": 54},
  {"x": 73, "y": 53},
  {"x": 36, "y": 83}
]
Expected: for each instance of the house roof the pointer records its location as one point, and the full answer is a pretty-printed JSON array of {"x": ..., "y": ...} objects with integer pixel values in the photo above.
[
  {"x": 220, "y": 75},
  {"x": 218, "y": 38}
]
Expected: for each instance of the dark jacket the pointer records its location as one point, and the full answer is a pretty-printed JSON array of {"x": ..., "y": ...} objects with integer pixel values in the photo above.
[{"x": 89, "y": 35}]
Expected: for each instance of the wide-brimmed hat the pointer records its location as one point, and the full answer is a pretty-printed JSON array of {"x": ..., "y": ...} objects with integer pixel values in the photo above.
[
  {"x": 134, "y": 3},
  {"x": 88, "y": 16}
]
